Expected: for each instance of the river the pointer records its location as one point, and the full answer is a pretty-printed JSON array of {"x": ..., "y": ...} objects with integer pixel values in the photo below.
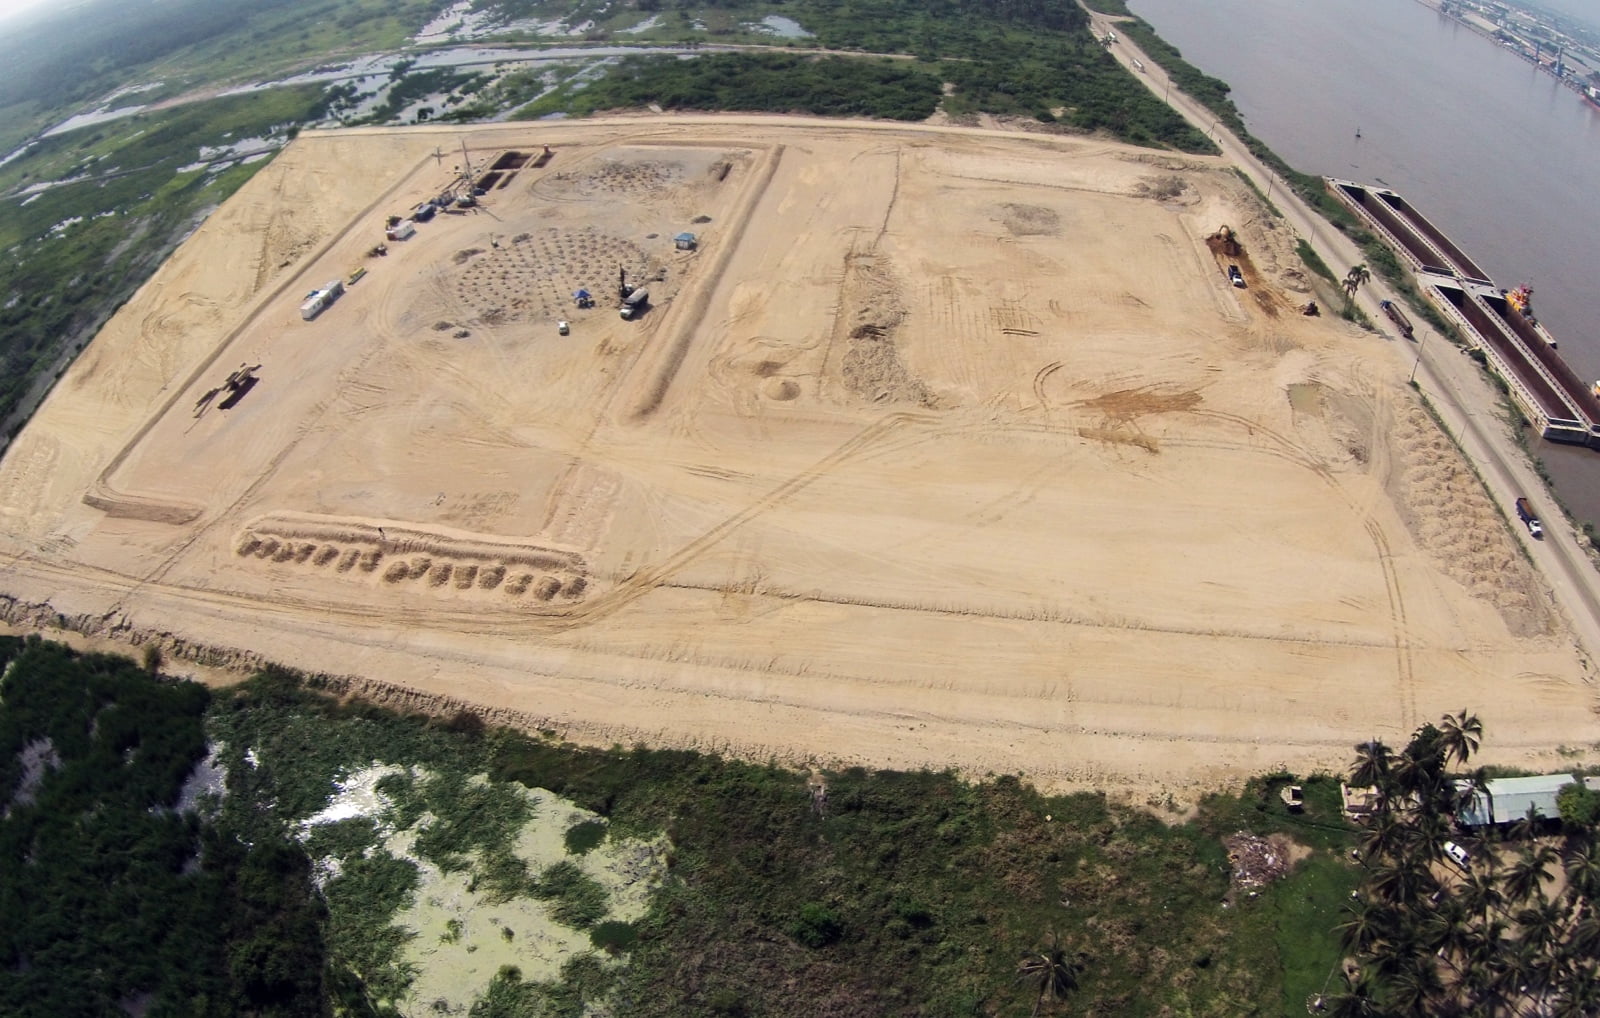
[{"x": 1493, "y": 150}]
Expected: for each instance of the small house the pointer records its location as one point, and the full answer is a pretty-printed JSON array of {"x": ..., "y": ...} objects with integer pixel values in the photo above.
[
  {"x": 685, "y": 242},
  {"x": 1508, "y": 800}
]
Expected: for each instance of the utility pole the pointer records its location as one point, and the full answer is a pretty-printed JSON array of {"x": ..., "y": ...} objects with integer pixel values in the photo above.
[{"x": 1414, "y": 367}]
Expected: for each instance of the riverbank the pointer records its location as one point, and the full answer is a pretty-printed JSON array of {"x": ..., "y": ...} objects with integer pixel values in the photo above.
[{"x": 1467, "y": 405}]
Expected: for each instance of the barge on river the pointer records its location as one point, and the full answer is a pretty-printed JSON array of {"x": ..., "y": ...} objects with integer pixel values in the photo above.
[{"x": 1497, "y": 322}]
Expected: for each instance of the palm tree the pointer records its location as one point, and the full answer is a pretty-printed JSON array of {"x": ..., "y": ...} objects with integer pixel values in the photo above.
[
  {"x": 1527, "y": 828},
  {"x": 1461, "y": 734},
  {"x": 1371, "y": 767},
  {"x": 1355, "y": 1001},
  {"x": 1540, "y": 926},
  {"x": 1402, "y": 882},
  {"x": 1050, "y": 973},
  {"x": 1581, "y": 861},
  {"x": 1415, "y": 986},
  {"x": 1369, "y": 925},
  {"x": 1584, "y": 939},
  {"x": 1577, "y": 998},
  {"x": 1480, "y": 893},
  {"x": 1384, "y": 837},
  {"x": 1353, "y": 279},
  {"x": 1449, "y": 930},
  {"x": 1525, "y": 879}
]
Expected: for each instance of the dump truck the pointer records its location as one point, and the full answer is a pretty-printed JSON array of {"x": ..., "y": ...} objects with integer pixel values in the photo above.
[
  {"x": 1397, "y": 316},
  {"x": 634, "y": 303},
  {"x": 1526, "y": 514}
]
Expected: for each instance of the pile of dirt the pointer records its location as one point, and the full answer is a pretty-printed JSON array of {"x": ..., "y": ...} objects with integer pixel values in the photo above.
[
  {"x": 870, "y": 310},
  {"x": 1444, "y": 506}
]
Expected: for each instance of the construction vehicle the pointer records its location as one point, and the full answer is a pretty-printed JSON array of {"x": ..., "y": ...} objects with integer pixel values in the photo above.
[
  {"x": 1224, "y": 241},
  {"x": 1397, "y": 316},
  {"x": 1526, "y": 514},
  {"x": 634, "y": 303},
  {"x": 235, "y": 385},
  {"x": 1310, "y": 309}
]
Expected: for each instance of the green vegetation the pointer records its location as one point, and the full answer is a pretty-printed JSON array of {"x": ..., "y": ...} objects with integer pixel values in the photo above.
[
  {"x": 1580, "y": 807},
  {"x": 1477, "y": 930},
  {"x": 772, "y": 82},
  {"x": 578, "y": 901},
  {"x": 1313, "y": 261},
  {"x": 583, "y": 837},
  {"x": 409, "y": 87},
  {"x": 112, "y": 896},
  {"x": 1026, "y": 58},
  {"x": 73, "y": 252},
  {"x": 903, "y": 893}
]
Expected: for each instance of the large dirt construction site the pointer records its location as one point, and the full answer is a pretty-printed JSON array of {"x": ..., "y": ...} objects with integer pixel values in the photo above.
[{"x": 945, "y": 447}]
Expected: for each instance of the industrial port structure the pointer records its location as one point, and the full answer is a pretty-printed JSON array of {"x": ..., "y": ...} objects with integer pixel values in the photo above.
[{"x": 1520, "y": 350}]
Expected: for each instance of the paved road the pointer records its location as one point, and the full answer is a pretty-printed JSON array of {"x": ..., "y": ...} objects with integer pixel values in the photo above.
[{"x": 1453, "y": 383}]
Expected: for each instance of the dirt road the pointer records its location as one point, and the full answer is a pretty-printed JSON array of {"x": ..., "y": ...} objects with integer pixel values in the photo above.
[{"x": 1452, "y": 383}]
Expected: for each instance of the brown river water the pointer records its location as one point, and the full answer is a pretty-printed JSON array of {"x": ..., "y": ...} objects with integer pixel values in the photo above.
[{"x": 1497, "y": 153}]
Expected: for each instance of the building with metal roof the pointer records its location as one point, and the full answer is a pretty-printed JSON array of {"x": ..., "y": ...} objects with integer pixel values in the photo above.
[{"x": 1507, "y": 800}]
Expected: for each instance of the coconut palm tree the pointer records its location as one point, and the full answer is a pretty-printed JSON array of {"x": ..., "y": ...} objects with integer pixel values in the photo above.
[
  {"x": 1584, "y": 938},
  {"x": 1480, "y": 893},
  {"x": 1371, "y": 766},
  {"x": 1368, "y": 926},
  {"x": 1541, "y": 925},
  {"x": 1353, "y": 279},
  {"x": 1580, "y": 859},
  {"x": 1402, "y": 882},
  {"x": 1460, "y": 735},
  {"x": 1525, "y": 879},
  {"x": 1051, "y": 973},
  {"x": 1354, "y": 1001},
  {"x": 1385, "y": 837},
  {"x": 1576, "y": 999},
  {"x": 1415, "y": 986},
  {"x": 1448, "y": 930}
]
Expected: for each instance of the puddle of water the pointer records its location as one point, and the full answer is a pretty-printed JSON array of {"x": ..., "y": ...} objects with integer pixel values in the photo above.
[
  {"x": 1306, "y": 398},
  {"x": 784, "y": 28}
]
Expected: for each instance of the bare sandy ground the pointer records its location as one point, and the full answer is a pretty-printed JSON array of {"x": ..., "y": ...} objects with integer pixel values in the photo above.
[{"x": 946, "y": 447}]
